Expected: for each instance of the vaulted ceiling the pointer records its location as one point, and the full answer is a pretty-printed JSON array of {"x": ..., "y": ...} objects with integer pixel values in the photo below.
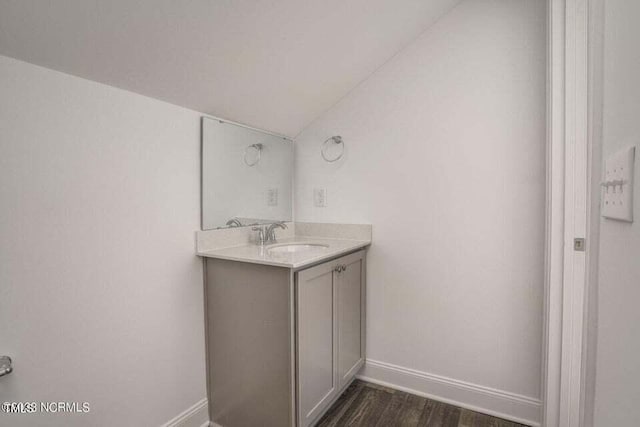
[{"x": 272, "y": 64}]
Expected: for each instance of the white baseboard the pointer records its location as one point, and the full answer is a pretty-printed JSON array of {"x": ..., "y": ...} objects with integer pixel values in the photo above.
[
  {"x": 195, "y": 416},
  {"x": 502, "y": 404}
]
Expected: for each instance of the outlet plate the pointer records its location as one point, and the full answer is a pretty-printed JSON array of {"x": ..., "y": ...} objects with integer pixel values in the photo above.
[
  {"x": 617, "y": 187},
  {"x": 272, "y": 197}
]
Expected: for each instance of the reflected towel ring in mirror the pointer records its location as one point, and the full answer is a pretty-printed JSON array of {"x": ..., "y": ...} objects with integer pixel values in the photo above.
[
  {"x": 257, "y": 148},
  {"x": 335, "y": 140}
]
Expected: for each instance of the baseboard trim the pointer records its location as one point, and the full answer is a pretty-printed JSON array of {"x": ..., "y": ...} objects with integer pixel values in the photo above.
[
  {"x": 498, "y": 403},
  {"x": 194, "y": 416}
]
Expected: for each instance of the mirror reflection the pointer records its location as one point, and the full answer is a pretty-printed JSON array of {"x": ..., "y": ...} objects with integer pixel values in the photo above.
[{"x": 246, "y": 176}]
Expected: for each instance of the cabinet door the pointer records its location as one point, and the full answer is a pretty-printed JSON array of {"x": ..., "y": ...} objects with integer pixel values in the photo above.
[
  {"x": 317, "y": 341},
  {"x": 350, "y": 307}
]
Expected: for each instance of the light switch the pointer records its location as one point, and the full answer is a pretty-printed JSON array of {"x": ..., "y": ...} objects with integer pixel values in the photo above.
[
  {"x": 272, "y": 197},
  {"x": 319, "y": 197},
  {"x": 617, "y": 187}
]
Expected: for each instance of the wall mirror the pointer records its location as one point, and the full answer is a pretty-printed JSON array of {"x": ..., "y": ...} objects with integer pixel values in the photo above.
[{"x": 247, "y": 176}]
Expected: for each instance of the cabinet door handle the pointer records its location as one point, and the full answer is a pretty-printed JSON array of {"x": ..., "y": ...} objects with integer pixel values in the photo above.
[
  {"x": 337, "y": 268},
  {"x": 344, "y": 267}
]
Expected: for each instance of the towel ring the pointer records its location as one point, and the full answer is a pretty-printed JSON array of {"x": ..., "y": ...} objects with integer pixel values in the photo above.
[
  {"x": 258, "y": 149},
  {"x": 336, "y": 140}
]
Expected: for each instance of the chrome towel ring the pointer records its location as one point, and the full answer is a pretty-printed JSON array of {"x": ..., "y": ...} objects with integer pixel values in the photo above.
[
  {"x": 335, "y": 140},
  {"x": 258, "y": 153}
]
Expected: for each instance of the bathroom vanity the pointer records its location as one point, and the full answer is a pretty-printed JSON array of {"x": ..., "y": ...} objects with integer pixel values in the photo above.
[
  {"x": 285, "y": 323},
  {"x": 285, "y": 301}
]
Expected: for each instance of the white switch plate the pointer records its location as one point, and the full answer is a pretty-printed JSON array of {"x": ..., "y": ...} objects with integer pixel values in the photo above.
[
  {"x": 617, "y": 187},
  {"x": 272, "y": 197},
  {"x": 319, "y": 197}
]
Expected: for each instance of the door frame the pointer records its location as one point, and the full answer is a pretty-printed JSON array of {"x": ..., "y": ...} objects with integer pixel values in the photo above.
[{"x": 571, "y": 211}]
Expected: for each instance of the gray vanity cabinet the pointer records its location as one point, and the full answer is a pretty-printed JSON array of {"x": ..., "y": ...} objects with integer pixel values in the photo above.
[
  {"x": 282, "y": 343},
  {"x": 350, "y": 285},
  {"x": 330, "y": 332}
]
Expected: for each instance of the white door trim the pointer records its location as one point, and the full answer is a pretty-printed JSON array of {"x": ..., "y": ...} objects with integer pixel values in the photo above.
[
  {"x": 554, "y": 241},
  {"x": 568, "y": 198},
  {"x": 576, "y": 202},
  {"x": 596, "y": 105}
]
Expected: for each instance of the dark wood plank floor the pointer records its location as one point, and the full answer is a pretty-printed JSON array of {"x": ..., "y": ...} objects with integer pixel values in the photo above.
[{"x": 369, "y": 405}]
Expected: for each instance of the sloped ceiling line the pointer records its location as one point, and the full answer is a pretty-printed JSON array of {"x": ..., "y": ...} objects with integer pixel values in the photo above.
[{"x": 273, "y": 65}]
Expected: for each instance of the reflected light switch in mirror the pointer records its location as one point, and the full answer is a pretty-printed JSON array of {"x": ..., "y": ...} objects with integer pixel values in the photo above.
[
  {"x": 272, "y": 197},
  {"x": 617, "y": 187},
  {"x": 319, "y": 197}
]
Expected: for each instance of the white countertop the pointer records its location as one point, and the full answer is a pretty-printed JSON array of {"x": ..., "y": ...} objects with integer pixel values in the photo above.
[{"x": 256, "y": 254}]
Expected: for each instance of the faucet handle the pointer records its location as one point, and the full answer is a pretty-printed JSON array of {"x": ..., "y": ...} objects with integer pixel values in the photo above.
[{"x": 261, "y": 235}]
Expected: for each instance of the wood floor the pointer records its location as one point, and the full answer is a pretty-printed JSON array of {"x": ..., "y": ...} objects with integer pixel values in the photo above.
[{"x": 369, "y": 405}]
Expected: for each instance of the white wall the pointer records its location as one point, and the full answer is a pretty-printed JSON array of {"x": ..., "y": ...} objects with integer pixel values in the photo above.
[
  {"x": 100, "y": 291},
  {"x": 445, "y": 157},
  {"x": 618, "y": 347}
]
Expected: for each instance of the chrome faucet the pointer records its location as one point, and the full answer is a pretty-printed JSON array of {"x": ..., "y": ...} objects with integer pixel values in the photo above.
[
  {"x": 267, "y": 234},
  {"x": 271, "y": 231},
  {"x": 261, "y": 236},
  {"x": 234, "y": 222}
]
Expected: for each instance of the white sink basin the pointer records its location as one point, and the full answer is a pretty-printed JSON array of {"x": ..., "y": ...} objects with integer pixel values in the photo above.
[{"x": 294, "y": 248}]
